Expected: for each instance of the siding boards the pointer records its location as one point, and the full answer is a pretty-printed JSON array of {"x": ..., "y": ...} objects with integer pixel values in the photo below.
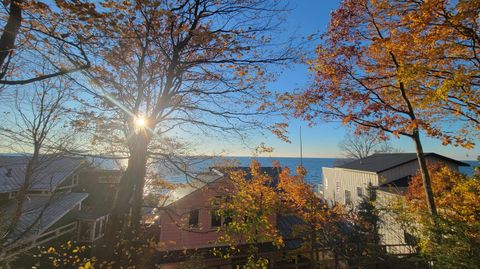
[
  {"x": 337, "y": 180},
  {"x": 409, "y": 169},
  {"x": 391, "y": 232}
]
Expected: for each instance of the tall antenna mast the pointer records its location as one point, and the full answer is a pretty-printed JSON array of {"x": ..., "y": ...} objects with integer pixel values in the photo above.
[{"x": 301, "y": 147}]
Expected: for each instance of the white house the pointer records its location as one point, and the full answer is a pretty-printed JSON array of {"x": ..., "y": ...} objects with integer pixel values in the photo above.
[{"x": 389, "y": 172}]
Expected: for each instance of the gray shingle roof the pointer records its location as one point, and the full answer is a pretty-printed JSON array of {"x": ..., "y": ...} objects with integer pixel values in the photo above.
[
  {"x": 380, "y": 162},
  {"x": 48, "y": 175},
  {"x": 286, "y": 225},
  {"x": 41, "y": 212}
]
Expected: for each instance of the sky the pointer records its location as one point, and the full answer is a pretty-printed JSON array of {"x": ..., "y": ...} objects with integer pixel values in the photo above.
[{"x": 309, "y": 17}]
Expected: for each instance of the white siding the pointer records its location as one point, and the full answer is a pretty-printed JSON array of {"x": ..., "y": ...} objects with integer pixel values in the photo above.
[
  {"x": 391, "y": 232},
  {"x": 337, "y": 180}
]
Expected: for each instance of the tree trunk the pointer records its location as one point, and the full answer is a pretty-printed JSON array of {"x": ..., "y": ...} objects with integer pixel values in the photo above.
[
  {"x": 22, "y": 192},
  {"x": 137, "y": 202},
  {"x": 7, "y": 40},
  {"x": 125, "y": 197},
  {"x": 424, "y": 173}
]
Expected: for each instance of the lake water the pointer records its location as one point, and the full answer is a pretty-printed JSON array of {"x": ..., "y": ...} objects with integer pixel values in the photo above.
[{"x": 313, "y": 166}]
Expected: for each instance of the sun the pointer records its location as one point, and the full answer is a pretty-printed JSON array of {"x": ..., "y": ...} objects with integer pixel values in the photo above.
[{"x": 140, "y": 121}]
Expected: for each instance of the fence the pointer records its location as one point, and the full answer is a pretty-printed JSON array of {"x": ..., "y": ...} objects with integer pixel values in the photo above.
[{"x": 29, "y": 243}]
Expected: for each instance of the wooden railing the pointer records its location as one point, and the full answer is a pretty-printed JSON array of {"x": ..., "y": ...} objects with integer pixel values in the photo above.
[{"x": 29, "y": 243}]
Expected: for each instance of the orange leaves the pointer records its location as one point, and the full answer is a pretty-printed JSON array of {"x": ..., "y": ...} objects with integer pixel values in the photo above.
[
  {"x": 251, "y": 209},
  {"x": 347, "y": 119},
  {"x": 280, "y": 130},
  {"x": 458, "y": 206},
  {"x": 456, "y": 195},
  {"x": 396, "y": 66}
]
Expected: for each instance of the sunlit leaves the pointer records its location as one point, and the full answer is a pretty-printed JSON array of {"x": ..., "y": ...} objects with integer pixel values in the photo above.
[
  {"x": 251, "y": 209},
  {"x": 378, "y": 58},
  {"x": 452, "y": 238}
]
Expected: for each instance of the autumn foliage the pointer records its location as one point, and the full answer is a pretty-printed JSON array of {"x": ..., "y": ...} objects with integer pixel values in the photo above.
[
  {"x": 251, "y": 210},
  {"x": 397, "y": 66},
  {"x": 455, "y": 238}
]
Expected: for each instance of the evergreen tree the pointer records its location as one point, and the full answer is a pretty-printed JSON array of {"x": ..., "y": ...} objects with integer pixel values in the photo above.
[{"x": 369, "y": 216}]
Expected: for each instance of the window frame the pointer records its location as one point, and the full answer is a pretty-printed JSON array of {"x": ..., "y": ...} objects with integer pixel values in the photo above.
[
  {"x": 75, "y": 180},
  {"x": 360, "y": 192},
  {"x": 349, "y": 201},
  {"x": 192, "y": 223}
]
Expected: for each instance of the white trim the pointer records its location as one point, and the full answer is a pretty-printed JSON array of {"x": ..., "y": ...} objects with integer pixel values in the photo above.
[
  {"x": 358, "y": 171},
  {"x": 25, "y": 245}
]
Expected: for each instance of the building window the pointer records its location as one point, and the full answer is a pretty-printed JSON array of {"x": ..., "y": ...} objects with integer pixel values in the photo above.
[
  {"x": 85, "y": 231},
  {"x": 91, "y": 230},
  {"x": 348, "y": 197},
  {"x": 75, "y": 180},
  {"x": 193, "y": 218},
  {"x": 216, "y": 219},
  {"x": 337, "y": 186},
  {"x": 12, "y": 194},
  {"x": 359, "y": 191}
]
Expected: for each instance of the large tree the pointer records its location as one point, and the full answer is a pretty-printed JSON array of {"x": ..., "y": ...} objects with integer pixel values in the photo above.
[
  {"x": 391, "y": 66},
  {"x": 194, "y": 66},
  {"x": 37, "y": 32}
]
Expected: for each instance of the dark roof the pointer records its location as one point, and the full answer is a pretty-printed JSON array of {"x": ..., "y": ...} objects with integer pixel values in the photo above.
[
  {"x": 380, "y": 162},
  {"x": 273, "y": 172},
  {"x": 286, "y": 225},
  {"x": 50, "y": 172}
]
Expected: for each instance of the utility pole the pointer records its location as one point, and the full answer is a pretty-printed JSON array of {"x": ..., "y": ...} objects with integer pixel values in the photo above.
[{"x": 301, "y": 147}]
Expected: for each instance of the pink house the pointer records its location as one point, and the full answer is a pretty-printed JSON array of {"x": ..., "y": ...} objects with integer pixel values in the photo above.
[{"x": 187, "y": 219}]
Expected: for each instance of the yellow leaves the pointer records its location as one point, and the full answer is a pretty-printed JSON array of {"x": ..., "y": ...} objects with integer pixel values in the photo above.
[
  {"x": 347, "y": 119},
  {"x": 51, "y": 250},
  {"x": 455, "y": 194},
  {"x": 251, "y": 210},
  {"x": 468, "y": 145},
  {"x": 88, "y": 265}
]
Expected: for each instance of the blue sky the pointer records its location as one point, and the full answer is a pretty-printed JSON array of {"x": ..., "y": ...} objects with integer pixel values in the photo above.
[{"x": 309, "y": 17}]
